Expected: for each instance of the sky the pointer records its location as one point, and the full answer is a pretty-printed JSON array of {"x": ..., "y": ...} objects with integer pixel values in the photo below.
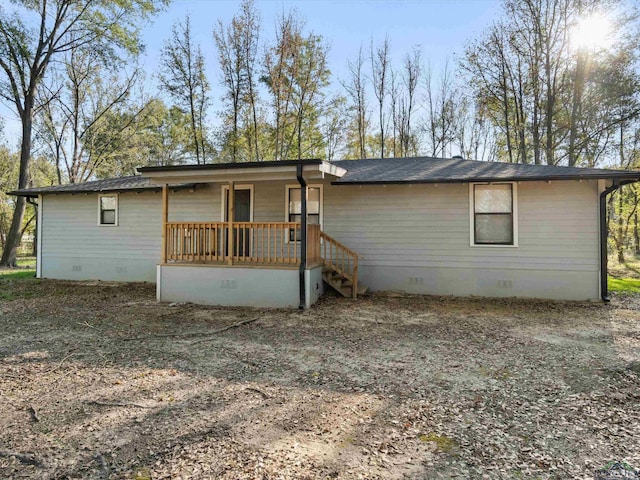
[{"x": 441, "y": 28}]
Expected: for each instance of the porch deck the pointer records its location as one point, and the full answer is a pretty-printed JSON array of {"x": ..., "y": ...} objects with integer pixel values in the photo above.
[{"x": 265, "y": 245}]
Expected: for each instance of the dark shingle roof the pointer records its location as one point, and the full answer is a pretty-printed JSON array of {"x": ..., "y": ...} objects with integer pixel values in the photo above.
[
  {"x": 381, "y": 171},
  {"x": 456, "y": 170},
  {"x": 122, "y": 184}
]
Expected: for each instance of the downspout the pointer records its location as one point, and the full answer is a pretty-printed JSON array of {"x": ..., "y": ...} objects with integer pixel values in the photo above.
[
  {"x": 303, "y": 235},
  {"x": 36, "y": 237},
  {"x": 604, "y": 260}
]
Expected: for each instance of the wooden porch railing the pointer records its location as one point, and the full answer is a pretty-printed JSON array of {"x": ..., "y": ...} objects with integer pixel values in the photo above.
[
  {"x": 313, "y": 244},
  {"x": 264, "y": 243},
  {"x": 257, "y": 243},
  {"x": 340, "y": 259},
  {"x": 195, "y": 242}
]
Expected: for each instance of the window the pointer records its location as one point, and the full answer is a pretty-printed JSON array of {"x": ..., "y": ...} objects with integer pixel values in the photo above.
[
  {"x": 294, "y": 206},
  {"x": 108, "y": 214},
  {"x": 493, "y": 214}
]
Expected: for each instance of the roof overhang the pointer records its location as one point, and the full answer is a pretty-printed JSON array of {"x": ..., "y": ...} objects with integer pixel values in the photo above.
[
  {"x": 240, "y": 172},
  {"x": 36, "y": 192}
]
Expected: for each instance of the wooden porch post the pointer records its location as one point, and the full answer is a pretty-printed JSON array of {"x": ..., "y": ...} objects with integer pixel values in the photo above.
[
  {"x": 230, "y": 213},
  {"x": 165, "y": 219}
]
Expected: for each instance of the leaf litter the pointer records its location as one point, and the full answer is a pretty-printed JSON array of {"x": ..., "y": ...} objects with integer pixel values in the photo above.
[{"x": 98, "y": 381}]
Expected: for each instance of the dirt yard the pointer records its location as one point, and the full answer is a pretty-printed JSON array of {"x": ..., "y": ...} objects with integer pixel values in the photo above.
[{"x": 98, "y": 381}]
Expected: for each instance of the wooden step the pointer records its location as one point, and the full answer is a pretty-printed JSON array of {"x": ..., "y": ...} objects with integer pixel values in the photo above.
[{"x": 341, "y": 285}]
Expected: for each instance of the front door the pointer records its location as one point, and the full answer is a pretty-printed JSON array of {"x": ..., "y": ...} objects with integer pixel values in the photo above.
[{"x": 241, "y": 213}]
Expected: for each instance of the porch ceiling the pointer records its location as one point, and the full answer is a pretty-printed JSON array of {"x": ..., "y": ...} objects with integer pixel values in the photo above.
[{"x": 241, "y": 172}]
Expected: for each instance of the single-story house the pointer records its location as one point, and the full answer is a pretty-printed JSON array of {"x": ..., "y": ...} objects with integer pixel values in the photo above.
[{"x": 279, "y": 233}]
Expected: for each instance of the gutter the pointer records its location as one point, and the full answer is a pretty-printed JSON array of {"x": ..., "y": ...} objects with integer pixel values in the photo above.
[
  {"x": 60, "y": 191},
  {"x": 235, "y": 165},
  {"x": 604, "y": 258},
  {"x": 38, "y": 230},
  {"x": 303, "y": 235},
  {"x": 538, "y": 178}
]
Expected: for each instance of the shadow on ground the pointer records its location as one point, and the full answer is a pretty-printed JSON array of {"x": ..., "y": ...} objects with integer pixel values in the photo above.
[{"x": 99, "y": 381}]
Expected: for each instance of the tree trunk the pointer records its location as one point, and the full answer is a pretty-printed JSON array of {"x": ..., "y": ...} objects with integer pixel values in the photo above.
[
  {"x": 10, "y": 252},
  {"x": 549, "y": 103},
  {"x": 636, "y": 235},
  {"x": 620, "y": 225},
  {"x": 254, "y": 115},
  {"x": 576, "y": 109},
  {"x": 34, "y": 246}
]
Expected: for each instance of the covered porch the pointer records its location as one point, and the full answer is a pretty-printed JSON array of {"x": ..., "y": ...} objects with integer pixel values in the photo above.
[{"x": 250, "y": 263}]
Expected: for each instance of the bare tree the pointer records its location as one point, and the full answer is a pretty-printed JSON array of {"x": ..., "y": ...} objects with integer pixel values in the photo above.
[
  {"x": 412, "y": 70},
  {"x": 380, "y": 72},
  {"x": 75, "y": 116},
  {"x": 250, "y": 21},
  {"x": 296, "y": 76},
  {"x": 356, "y": 86},
  {"x": 334, "y": 126},
  {"x": 228, "y": 40},
  {"x": 36, "y": 34},
  {"x": 237, "y": 46},
  {"x": 441, "y": 94},
  {"x": 183, "y": 76}
]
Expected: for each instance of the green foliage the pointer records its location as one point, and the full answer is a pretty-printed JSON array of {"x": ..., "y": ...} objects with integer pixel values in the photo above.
[
  {"x": 237, "y": 45},
  {"x": 164, "y": 136},
  {"x": 549, "y": 100},
  {"x": 33, "y": 37},
  {"x": 42, "y": 173},
  {"x": 296, "y": 76}
]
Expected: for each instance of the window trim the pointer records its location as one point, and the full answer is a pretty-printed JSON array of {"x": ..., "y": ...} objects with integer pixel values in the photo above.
[
  {"x": 223, "y": 199},
  {"x": 286, "y": 203},
  {"x": 514, "y": 216},
  {"x": 117, "y": 212}
]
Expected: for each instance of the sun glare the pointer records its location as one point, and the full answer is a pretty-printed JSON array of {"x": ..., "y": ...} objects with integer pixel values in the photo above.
[{"x": 592, "y": 33}]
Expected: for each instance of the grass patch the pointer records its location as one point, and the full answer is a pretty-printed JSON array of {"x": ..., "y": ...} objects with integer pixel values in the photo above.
[
  {"x": 624, "y": 285},
  {"x": 17, "y": 273},
  {"x": 27, "y": 262},
  {"x": 16, "y": 282},
  {"x": 444, "y": 443}
]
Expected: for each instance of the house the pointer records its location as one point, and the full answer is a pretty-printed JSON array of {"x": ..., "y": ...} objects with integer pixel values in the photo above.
[{"x": 279, "y": 233}]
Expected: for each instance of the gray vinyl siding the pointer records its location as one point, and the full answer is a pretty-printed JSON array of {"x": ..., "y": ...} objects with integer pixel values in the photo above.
[
  {"x": 414, "y": 238},
  {"x": 201, "y": 205},
  {"x": 75, "y": 247},
  {"x": 417, "y": 239}
]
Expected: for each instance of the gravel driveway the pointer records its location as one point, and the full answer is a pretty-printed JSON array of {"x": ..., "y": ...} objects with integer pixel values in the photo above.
[{"x": 99, "y": 381}]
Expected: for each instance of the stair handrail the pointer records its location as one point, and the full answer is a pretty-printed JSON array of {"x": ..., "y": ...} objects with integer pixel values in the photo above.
[
  {"x": 329, "y": 238},
  {"x": 353, "y": 277}
]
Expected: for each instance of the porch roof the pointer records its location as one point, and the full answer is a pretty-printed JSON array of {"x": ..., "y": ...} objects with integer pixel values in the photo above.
[{"x": 236, "y": 172}]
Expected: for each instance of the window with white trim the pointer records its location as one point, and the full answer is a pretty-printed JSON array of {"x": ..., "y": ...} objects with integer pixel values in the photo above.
[
  {"x": 294, "y": 206},
  {"x": 494, "y": 214},
  {"x": 108, "y": 210}
]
